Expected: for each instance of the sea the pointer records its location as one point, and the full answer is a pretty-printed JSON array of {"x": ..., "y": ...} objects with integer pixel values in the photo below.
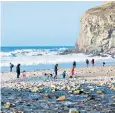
[{"x": 45, "y": 57}]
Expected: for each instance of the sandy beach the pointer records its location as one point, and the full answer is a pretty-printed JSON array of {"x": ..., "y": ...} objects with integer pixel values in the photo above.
[
  {"x": 87, "y": 74},
  {"x": 87, "y": 85}
]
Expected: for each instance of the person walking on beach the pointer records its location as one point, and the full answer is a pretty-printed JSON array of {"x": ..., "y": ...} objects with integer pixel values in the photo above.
[
  {"x": 92, "y": 61},
  {"x": 18, "y": 70},
  {"x": 103, "y": 64},
  {"x": 74, "y": 64},
  {"x": 87, "y": 62},
  {"x": 11, "y": 66},
  {"x": 55, "y": 70}
]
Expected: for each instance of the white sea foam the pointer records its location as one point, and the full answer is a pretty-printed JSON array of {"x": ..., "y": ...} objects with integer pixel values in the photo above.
[
  {"x": 50, "y": 59},
  {"x": 32, "y": 52}
]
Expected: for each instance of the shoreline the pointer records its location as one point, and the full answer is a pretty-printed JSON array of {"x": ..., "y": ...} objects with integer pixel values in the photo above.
[
  {"x": 51, "y": 66},
  {"x": 82, "y": 73}
]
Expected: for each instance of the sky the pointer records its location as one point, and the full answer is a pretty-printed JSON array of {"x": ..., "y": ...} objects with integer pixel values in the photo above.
[{"x": 42, "y": 23}]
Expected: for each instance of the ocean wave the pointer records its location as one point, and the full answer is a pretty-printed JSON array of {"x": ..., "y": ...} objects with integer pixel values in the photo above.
[
  {"x": 51, "y": 59},
  {"x": 32, "y": 52}
]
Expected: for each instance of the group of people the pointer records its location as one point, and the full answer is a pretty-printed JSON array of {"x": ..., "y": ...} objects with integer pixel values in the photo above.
[
  {"x": 64, "y": 72},
  {"x": 92, "y": 62},
  {"x": 17, "y": 69},
  {"x": 55, "y": 69},
  {"x": 73, "y": 68}
]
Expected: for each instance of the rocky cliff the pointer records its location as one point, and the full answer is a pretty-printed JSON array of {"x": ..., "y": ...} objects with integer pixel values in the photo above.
[{"x": 97, "y": 30}]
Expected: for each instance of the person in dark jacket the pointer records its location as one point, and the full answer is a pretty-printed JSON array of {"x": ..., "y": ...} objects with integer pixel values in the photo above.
[
  {"x": 55, "y": 70},
  {"x": 11, "y": 66},
  {"x": 87, "y": 62},
  {"x": 18, "y": 70},
  {"x": 74, "y": 64},
  {"x": 92, "y": 61},
  {"x": 103, "y": 64}
]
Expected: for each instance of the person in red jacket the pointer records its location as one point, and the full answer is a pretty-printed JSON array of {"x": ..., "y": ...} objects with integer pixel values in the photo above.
[{"x": 72, "y": 71}]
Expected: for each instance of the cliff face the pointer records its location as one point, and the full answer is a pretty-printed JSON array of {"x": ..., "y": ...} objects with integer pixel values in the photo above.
[{"x": 97, "y": 31}]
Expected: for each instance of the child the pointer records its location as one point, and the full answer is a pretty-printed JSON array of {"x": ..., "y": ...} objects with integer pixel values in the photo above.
[
  {"x": 24, "y": 74},
  {"x": 64, "y": 74}
]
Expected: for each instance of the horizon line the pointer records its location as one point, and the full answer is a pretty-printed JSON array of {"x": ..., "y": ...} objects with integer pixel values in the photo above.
[{"x": 37, "y": 46}]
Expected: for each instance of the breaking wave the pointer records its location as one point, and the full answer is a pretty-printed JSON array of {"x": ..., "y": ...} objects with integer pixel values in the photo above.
[{"x": 32, "y": 52}]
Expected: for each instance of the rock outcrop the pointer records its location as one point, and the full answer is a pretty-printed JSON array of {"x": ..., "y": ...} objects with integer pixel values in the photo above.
[{"x": 97, "y": 30}]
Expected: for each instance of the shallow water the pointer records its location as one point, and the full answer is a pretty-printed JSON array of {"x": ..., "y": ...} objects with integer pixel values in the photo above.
[
  {"x": 61, "y": 65},
  {"x": 45, "y": 100}
]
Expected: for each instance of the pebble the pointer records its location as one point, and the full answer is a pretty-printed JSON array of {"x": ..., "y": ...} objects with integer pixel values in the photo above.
[
  {"x": 100, "y": 92},
  {"x": 76, "y": 92},
  {"x": 62, "y": 98},
  {"x": 73, "y": 110},
  {"x": 7, "y": 105},
  {"x": 35, "y": 89}
]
